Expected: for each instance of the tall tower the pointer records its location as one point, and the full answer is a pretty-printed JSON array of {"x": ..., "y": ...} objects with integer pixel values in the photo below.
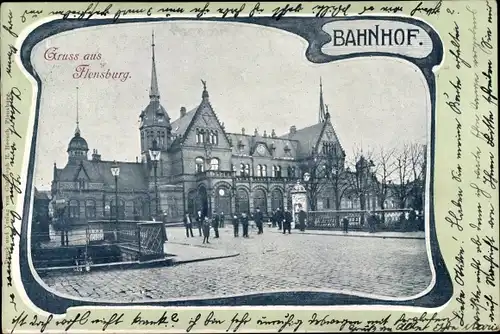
[
  {"x": 322, "y": 112},
  {"x": 154, "y": 120},
  {"x": 78, "y": 147}
]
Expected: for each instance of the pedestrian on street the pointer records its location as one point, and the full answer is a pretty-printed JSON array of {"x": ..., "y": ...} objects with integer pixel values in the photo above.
[
  {"x": 287, "y": 222},
  {"x": 215, "y": 224},
  {"x": 271, "y": 217},
  {"x": 206, "y": 230},
  {"x": 244, "y": 224},
  {"x": 278, "y": 218},
  {"x": 345, "y": 224},
  {"x": 221, "y": 223},
  {"x": 199, "y": 220},
  {"x": 188, "y": 224},
  {"x": 302, "y": 220},
  {"x": 236, "y": 223},
  {"x": 372, "y": 221},
  {"x": 258, "y": 218}
]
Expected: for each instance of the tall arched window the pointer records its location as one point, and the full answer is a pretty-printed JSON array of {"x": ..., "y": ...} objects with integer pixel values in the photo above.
[
  {"x": 242, "y": 204},
  {"x": 278, "y": 171},
  {"x": 259, "y": 170},
  {"x": 121, "y": 208},
  {"x": 214, "y": 164},
  {"x": 74, "y": 209},
  {"x": 274, "y": 171},
  {"x": 247, "y": 170},
  {"x": 199, "y": 165},
  {"x": 260, "y": 200},
  {"x": 242, "y": 169},
  {"x": 90, "y": 211},
  {"x": 264, "y": 170},
  {"x": 276, "y": 199}
]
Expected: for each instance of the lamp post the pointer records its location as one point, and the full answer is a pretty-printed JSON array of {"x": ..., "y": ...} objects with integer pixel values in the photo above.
[
  {"x": 115, "y": 171},
  {"x": 155, "y": 153}
]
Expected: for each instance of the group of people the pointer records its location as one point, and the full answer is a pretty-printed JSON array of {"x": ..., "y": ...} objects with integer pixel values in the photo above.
[{"x": 283, "y": 220}]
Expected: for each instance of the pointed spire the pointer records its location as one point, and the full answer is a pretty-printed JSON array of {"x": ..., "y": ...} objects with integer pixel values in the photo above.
[
  {"x": 204, "y": 95},
  {"x": 153, "y": 91},
  {"x": 77, "y": 130},
  {"x": 322, "y": 113}
]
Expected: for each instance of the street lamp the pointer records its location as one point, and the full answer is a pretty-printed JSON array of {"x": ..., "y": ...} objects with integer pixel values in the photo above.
[
  {"x": 115, "y": 171},
  {"x": 155, "y": 153}
]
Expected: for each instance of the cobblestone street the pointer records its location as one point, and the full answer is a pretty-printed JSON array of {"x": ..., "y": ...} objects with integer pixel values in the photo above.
[{"x": 389, "y": 267}]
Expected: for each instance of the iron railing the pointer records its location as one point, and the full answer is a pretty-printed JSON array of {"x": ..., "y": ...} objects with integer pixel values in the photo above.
[{"x": 386, "y": 220}]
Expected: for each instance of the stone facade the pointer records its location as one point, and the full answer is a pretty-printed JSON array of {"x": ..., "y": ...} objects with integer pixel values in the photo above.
[{"x": 201, "y": 167}]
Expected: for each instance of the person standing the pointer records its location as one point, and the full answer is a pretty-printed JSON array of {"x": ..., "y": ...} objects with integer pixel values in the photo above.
[
  {"x": 236, "y": 223},
  {"x": 287, "y": 222},
  {"x": 278, "y": 218},
  {"x": 302, "y": 220},
  {"x": 372, "y": 221},
  {"x": 206, "y": 230},
  {"x": 221, "y": 223},
  {"x": 244, "y": 224},
  {"x": 188, "y": 224},
  {"x": 258, "y": 218},
  {"x": 199, "y": 220},
  {"x": 345, "y": 224},
  {"x": 215, "y": 224}
]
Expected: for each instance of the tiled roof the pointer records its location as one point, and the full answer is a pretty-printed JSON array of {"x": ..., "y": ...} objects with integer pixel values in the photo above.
[
  {"x": 132, "y": 174},
  {"x": 307, "y": 138},
  {"x": 180, "y": 125},
  {"x": 250, "y": 142}
]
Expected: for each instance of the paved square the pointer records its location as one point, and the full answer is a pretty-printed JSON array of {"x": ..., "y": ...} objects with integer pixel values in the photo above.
[{"x": 270, "y": 262}]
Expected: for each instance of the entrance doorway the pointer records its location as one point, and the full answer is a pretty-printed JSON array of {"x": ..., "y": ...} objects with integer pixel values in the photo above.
[
  {"x": 202, "y": 201},
  {"x": 223, "y": 200}
]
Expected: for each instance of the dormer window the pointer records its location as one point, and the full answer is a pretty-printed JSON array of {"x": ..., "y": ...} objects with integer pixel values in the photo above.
[
  {"x": 287, "y": 149},
  {"x": 241, "y": 146}
]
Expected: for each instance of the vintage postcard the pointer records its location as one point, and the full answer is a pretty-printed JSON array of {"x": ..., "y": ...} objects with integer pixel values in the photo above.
[{"x": 250, "y": 167}]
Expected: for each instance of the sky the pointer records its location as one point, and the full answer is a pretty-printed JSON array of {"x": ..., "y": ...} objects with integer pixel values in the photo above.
[{"x": 257, "y": 77}]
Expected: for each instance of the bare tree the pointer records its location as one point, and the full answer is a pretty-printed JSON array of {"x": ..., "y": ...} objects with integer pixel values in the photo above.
[
  {"x": 404, "y": 175},
  {"x": 385, "y": 168},
  {"x": 418, "y": 165}
]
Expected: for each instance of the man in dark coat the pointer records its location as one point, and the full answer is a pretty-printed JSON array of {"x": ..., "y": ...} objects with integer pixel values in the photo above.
[
  {"x": 221, "y": 222},
  {"x": 278, "y": 218},
  {"x": 188, "y": 224},
  {"x": 244, "y": 224},
  {"x": 258, "y": 218},
  {"x": 236, "y": 223},
  {"x": 206, "y": 230},
  {"x": 302, "y": 220},
  {"x": 199, "y": 220},
  {"x": 345, "y": 224},
  {"x": 287, "y": 222},
  {"x": 372, "y": 221},
  {"x": 215, "y": 224}
]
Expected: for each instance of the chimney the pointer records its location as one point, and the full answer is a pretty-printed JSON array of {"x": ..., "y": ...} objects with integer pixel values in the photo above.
[
  {"x": 273, "y": 134},
  {"x": 183, "y": 111},
  {"x": 293, "y": 129},
  {"x": 243, "y": 131},
  {"x": 265, "y": 134},
  {"x": 136, "y": 159},
  {"x": 255, "y": 133},
  {"x": 95, "y": 155}
]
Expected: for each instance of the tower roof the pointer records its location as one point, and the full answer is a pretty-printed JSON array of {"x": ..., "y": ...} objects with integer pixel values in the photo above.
[
  {"x": 322, "y": 112},
  {"x": 154, "y": 113},
  {"x": 77, "y": 143}
]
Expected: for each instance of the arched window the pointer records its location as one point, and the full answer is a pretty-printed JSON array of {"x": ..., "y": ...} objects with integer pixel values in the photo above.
[
  {"x": 90, "y": 211},
  {"x": 199, "y": 165},
  {"x": 233, "y": 168},
  {"x": 247, "y": 170},
  {"x": 242, "y": 169},
  {"x": 289, "y": 171},
  {"x": 259, "y": 170},
  {"x": 214, "y": 164},
  {"x": 260, "y": 200},
  {"x": 276, "y": 199},
  {"x": 216, "y": 138},
  {"x": 121, "y": 208},
  {"x": 274, "y": 171},
  {"x": 278, "y": 171},
  {"x": 242, "y": 204},
  {"x": 264, "y": 170},
  {"x": 74, "y": 209}
]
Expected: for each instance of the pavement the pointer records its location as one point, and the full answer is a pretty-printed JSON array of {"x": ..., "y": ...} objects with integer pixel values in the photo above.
[{"x": 326, "y": 260}]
